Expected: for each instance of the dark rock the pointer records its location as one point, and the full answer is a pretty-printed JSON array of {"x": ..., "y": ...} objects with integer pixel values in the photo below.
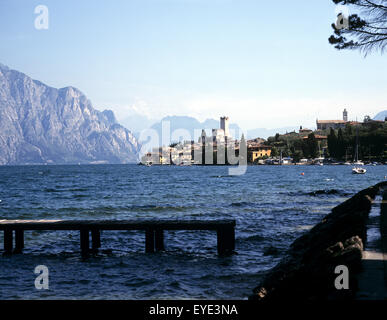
[
  {"x": 307, "y": 270},
  {"x": 323, "y": 192}
]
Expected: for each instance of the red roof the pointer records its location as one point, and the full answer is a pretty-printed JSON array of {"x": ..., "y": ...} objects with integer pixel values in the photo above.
[{"x": 331, "y": 121}]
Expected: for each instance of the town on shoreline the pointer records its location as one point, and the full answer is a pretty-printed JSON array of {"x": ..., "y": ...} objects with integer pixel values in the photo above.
[{"x": 333, "y": 142}]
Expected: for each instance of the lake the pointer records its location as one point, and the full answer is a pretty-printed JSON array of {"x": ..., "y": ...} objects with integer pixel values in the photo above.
[{"x": 272, "y": 205}]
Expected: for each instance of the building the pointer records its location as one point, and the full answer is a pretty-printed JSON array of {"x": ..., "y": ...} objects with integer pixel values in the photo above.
[
  {"x": 221, "y": 135},
  {"x": 154, "y": 157},
  {"x": 345, "y": 115},
  {"x": 218, "y": 135},
  {"x": 304, "y": 130},
  {"x": 255, "y": 152},
  {"x": 318, "y": 137},
  {"x": 203, "y": 137},
  {"x": 333, "y": 124},
  {"x": 328, "y": 124},
  {"x": 256, "y": 141}
]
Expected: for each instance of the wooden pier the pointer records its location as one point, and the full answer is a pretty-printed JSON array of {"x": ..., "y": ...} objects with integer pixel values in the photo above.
[{"x": 154, "y": 231}]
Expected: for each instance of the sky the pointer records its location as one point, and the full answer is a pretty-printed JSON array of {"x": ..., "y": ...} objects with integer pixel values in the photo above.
[{"x": 265, "y": 64}]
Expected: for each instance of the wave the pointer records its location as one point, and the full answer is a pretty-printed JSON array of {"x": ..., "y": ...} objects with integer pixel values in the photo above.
[
  {"x": 114, "y": 209},
  {"x": 319, "y": 192},
  {"x": 328, "y": 192},
  {"x": 224, "y": 176},
  {"x": 66, "y": 190},
  {"x": 242, "y": 204},
  {"x": 255, "y": 237},
  {"x": 52, "y": 190}
]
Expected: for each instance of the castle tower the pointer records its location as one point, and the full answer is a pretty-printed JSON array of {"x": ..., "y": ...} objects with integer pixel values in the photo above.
[
  {"x": 345, "y": 115},
  {"x": 203, "y": 137},
  {"x": 224, "y": 126}
]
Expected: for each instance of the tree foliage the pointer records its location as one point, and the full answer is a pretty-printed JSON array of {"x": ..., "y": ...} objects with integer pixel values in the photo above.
[
  {"x": 340, "y": 143},
  {"x": 295, "y": 146},
  {"x": 372, "y": 142}
]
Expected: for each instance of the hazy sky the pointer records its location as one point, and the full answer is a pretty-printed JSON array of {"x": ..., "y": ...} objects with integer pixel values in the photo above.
[{"x": 262, "y": 63}]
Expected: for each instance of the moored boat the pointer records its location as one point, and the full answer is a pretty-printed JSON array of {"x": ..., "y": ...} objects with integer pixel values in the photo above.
[{"x": 358, "y": 170}]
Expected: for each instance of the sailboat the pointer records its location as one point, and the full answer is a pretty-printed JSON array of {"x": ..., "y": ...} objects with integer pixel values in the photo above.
[
  {"x": 357, "y": 162},
  {"x": 320, "y": 160}
]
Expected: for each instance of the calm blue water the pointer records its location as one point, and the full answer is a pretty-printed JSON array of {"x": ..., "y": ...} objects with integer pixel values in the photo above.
[{"x": 271, "y": 205}]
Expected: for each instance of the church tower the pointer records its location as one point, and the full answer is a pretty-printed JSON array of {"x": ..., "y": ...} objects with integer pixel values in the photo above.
[{"x": 345, "y": 115}]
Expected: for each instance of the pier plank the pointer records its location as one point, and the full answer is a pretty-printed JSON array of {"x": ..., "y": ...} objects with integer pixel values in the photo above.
[{"x": 115, "y": 224}]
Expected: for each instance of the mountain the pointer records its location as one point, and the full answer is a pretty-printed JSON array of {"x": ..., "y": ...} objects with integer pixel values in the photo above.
[
  {"x": 137, "y": 122},
  {"x": 193, "y": 125},
  {"x": 381, "y": 115},
  {"x": 41, "y": 124}
]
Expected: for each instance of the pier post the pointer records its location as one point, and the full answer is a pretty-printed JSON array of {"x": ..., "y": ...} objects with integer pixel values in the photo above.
[
  {"x": 19, "y": 241},
  {"x": 85, "y": 242},
  {"x": 8, "y": 241},
  {"x": 95, "y": 239},
  {"x": 149, "y": 240},
  {"x": 226, "y": 239},
  {"x": 159, "y": 240}
]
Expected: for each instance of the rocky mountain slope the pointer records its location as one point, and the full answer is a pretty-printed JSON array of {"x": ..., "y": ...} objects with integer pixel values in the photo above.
[
  {"x": 41, "y": 124},
  {"x": 381, "y": 115}
]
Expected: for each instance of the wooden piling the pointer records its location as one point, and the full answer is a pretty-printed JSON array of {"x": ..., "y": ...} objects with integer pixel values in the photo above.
[
  {"x": 8, "y": 241},
  {"x": 159, "y": 240},
  {"x": 149, "y": 240},
  {"x": 226, "y": 240},
  {"x": 85, "y": 242},
  {"x": 19, "y": 241}
]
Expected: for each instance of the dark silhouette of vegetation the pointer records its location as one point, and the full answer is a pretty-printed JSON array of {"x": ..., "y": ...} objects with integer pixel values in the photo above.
[
  {"x": 372, "y": 142},
  {"x": 340, "y": 144},
  {"x": 295, "y": 146},
  {"x": 311, "y": 146}
]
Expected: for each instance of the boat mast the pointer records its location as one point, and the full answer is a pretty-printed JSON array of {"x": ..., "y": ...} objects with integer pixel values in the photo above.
[
  {"x": 280, "y": 162},
  {"x": 357, "y": 144}
]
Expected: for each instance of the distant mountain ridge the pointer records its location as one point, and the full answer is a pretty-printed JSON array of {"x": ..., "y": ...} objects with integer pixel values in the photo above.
[
  {"x": 381, "y": 115},
  {"x": 41, "y": 124},
  {"x": 192, "y": 124}
]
